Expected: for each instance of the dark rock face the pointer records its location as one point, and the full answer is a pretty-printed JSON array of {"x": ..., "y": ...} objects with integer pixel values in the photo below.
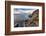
[{"x": 34, "y": 20}]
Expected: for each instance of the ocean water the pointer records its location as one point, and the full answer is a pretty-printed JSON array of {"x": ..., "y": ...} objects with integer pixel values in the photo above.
[{"x": 21, "y": 16}]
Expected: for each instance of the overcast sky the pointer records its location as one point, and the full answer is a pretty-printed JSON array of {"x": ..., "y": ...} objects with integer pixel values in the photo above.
[{"x": 23, "y": 10}]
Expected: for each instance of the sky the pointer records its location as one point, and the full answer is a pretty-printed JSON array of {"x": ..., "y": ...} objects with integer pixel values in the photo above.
[{"x": 23, "y": 10}]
